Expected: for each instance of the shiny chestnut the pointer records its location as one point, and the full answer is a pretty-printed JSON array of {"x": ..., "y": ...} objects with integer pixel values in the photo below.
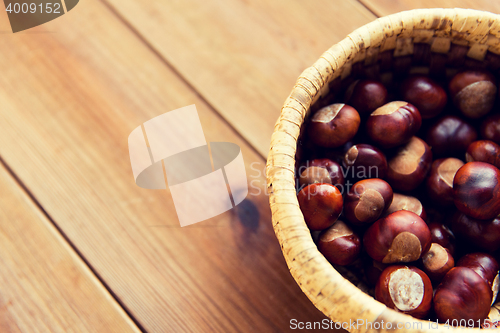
[
  {"x": 476, "y": 190},
  {"x": 333, "y": 125},
  {"x": 473, "y": 92},
  {"x": 399, "y": 237},
  {"x": 462, "y": 295},
  {"x": 408, "y": 168},
  {"x": 366, "y": 95},
  {"x": 321, "y": 170},
  {"x": 393, "y": 124},
  {"x": 321, "y": 205},
  {"x": 339, "y": 244},
  {"x": 485, "y": 266},
  {"x": 490, "y": 128},
  {"x": 443, "y": 236},
  {"x": 423, "y": 92},
  {"x": 484, "y": 234},
  {"x": 365, "y": 161},
  {"x": 437, "y": 262},
  {"x": 450, "y": 136},
  {"x": 406, "y": 202},
  {"x": 484, "y": 151},
  {"x": 439, "y": 183},
  {"x": 367, "y": 200},
  {"x": 406, "y": 289}
]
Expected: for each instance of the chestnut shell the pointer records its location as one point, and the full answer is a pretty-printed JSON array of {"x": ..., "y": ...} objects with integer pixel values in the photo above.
[
  {"x": 476, "y": 190},
  {"x": 462, "y": 294},
  {"x": 321, "y": 205},
  {"x": 383, "y": 294},
  {"x": 379, "y": 239}
]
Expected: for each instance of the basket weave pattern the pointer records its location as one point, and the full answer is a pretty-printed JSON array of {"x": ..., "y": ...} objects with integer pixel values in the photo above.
[{"x": 442, "y": 29}]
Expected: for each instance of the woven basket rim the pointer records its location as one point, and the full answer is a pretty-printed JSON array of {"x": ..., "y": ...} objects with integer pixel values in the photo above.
[{"x": 329, "y": 291}]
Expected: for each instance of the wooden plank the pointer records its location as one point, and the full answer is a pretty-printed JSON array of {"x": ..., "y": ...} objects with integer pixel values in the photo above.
[
  {"x": 72, "y": 91},
  {"x": 45, "y": 286},
  {"x": 243, "y": 56},
  {"x": 386, "y": 7}
]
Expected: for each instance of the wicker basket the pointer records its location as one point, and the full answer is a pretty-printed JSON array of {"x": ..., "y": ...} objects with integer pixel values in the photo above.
[{"x": 453, "y": 37}]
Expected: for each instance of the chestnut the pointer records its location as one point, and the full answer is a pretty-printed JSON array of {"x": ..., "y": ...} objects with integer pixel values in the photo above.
[
  {"x": 321, "y": 205},
  {"x": 462, "y": 295},
  {"x": 321, "y": 170},
  {"x": 367, "y": 200},
  {"x": 406, "y": 289},
  {"x": 365, "y": 161},
  {"x": 399, "y": 237},
  {"x": 406, "y": 202},
  {"x": 484, "y": 234},
  {"x": 437, "y": 262},
  {"x": 484, "y": 151},
  {"x": 312, "y": 175},
  {"x": 443, "y": 236},
  {"x": 473, "y": 92},
  {"x": 490, "y": 128},
  {"x": 339, "y": 244},
  {"x": 393, "y": 124},
  {"x": 408, "y": 168},
  {"x": 366, "y": 95},
  {"x": 439, "y": 184},
  {"x": 485, "y": 266},
  {"x": 476, "y": 190},
  {"x": 333, "y": 125},
  {"x": 423, "y": 92},
  {"x": 450, "y": 136}
]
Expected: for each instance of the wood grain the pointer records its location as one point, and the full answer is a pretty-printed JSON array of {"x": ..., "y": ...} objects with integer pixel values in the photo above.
[
  {"x": 243, "y": 57},
  {"x": 386, "y": 7},
  {"x": 72, "y": 91},
  {"x": 45, "y": 286}
]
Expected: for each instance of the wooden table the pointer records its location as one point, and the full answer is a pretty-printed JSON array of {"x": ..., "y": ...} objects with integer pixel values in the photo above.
[{"x": 82, "y": 248}]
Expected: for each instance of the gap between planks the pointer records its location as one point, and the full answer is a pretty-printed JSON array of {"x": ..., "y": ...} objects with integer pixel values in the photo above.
[
  {"x": 181, "y": 77},
  {"x": 368, "y": 9},
  {"x": 38, "y": 206}
]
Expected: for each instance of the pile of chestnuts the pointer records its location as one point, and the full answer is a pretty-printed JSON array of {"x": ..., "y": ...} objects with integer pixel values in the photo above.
[{"x": 400, "y": 184}]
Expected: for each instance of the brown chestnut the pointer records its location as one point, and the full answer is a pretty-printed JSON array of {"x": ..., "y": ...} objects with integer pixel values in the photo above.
[
  {"x": 408, "y": 168},
  {"x": 423, "y": 92},
  {"x": 367, "y": 200},
  {"x": 393, "y": 124},
  {"x": 462, "y": 295},
  {"x": 312, "y": 175},
  {"x": 399, "y": 237},
  {"x": 333, "y": 125},
  {"x": 484, "y": 151},
  {"x": 439, "y": 184},
  {"x": 365, "y": 161},
  {"x": 490, "y": 128},
  {"x": 406, "y": 202},
  {"x": 485, "y": 266},
  {"x": 321, "y": 205},
  {"x": 437, "y": 262},
  {"x": 406, "y": 289},
  {"x": 450, "y": 136},
  {"x": 443, "y": 236},
  {"x": 321, "y": 170},
  {"x": 473, "y": 92},
  {"x": 476, "y": 190},
  {"x": 366, "y": 95},
  {"x": 339, "y": 244}
]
